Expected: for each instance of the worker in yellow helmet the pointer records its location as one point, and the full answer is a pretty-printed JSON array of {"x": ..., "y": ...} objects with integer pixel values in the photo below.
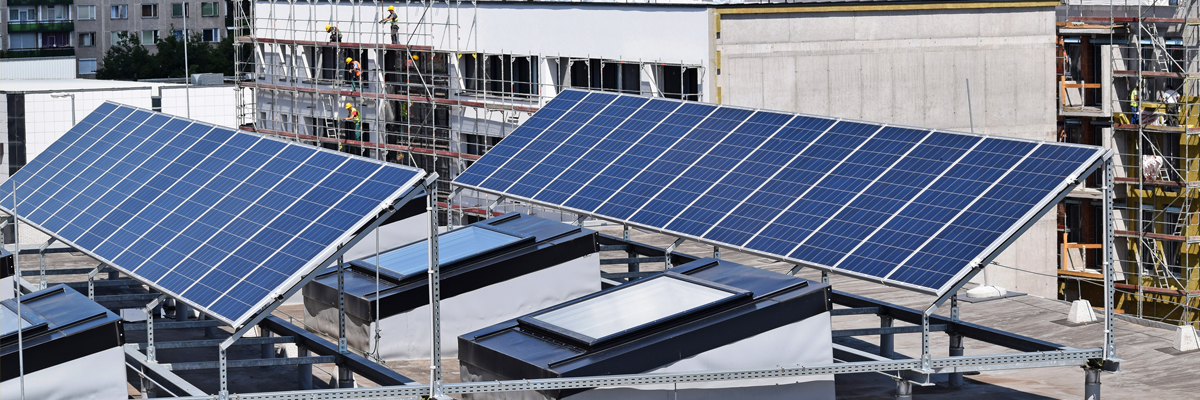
[
  {"x": 355, "y": 70},
  {"x": 355, "y": 117},
  {"x": 395, "y": 21},
  {"x": 335, "y": 34},
  {"x": 1133, "y": 105}
]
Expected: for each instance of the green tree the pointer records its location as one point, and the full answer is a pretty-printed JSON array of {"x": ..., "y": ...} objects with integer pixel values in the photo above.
[{"x": 126, "y": 60}]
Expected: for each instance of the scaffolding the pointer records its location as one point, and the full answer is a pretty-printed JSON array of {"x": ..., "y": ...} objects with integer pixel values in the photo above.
[
  {"x": 1127, "y": 77},
  {"x": 429, "y": 97}
]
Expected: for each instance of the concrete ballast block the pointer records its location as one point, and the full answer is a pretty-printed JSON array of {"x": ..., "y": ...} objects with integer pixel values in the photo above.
[
  {"x": 1186, "y": 339},
  {"x": 1081, "y": 312}
]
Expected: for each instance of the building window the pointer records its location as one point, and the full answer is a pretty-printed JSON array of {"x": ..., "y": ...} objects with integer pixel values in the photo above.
[
  {"x": 119, "y": 11},
  {"x": 606, "y": 75},
  {"x": 679, "y": 82},
  {"x": 210, "y": 9},
  {"x": 149, "y": 37},
  {"x": 85, "y": 12},
  {"x": 1074, "y": 221},
  {"x": 178, "y": 34},
  {"x": 53, "y": 12},
  {"x": 501, "y": 73},
  {"x": 179, "y": 10},
  {"x": 87, "y": 66},
  {"x": 149, "y": 10},
  {"x": 87, "y": 39},
  {"x": 212, "y": 35},
  {"x": 117, "y": 37},
  {"x": 22, "y": 41}
]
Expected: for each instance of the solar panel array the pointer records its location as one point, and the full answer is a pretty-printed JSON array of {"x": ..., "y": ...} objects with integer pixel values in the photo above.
[
  {"x": 223, "y": 220},
  {"x": 905, "y": 206}
]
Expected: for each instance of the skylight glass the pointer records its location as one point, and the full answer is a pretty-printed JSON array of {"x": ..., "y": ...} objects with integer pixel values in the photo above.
[
  {"x": 452, "y": 246},
  {"x": 8, "y": 321},
  {"x": 633, "y": 306}
]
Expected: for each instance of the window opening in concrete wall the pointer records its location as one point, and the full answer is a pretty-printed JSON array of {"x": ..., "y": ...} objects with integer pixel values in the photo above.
[
  {"x": 119, "y": 11},
  {"x": 679, "y": 82},
  {"x": 118, "y": 37},
  {"x": 501, "y": 74},
  {"x": 85, "y": 12},
  {"x": 179, "y": 10},
  {"x": 87, "y": 39},
  {"x": 212, "y": 35},
  {"x": 210, "y": 9},
  {"x": 87, "y": 66},
  {"x": 149, "y": 37},
  {"x": 149, "y": 10},
  {"x": 613, "y": 76}
]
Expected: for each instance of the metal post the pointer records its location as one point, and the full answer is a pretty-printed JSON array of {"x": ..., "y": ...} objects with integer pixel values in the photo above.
[
  {"x": 17, "y": 269},
  {"x": 345, "y": 377},
  {"x": 341, "y": 283},
  {"x": 303, "y": 371},
  {"x": 956, "y": 343},
  {"x": 1110, "y": 345},
  {"x": 435, "y": 293},
  {"x": 926, "y": 360},
  {"x": 633, "y": 266},
  {"x": 150, "y": 354},
  {"x": 825, "y": 277},
  {"x": 903, "y": 388},
  {"x": 1091, "y": 383},
  {"x": 224, "y": 393},
  {"x": 209, "y": 332},
  {"x": 887, "y": 342},
  {"x": 716, "y": 252}
]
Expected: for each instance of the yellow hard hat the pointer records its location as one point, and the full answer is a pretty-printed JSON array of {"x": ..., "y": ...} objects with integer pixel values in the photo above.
[
  {"x": 327, "y": 28},
  {"x": 390, "y": 8},
  {"x": 349, "y": 60},
  {"x": 347, "y": 106},
  {"x": 414, "y": 56}
]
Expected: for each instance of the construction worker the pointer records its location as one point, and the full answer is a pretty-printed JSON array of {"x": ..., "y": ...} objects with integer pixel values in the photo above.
[
  {"x": 1133, "y": 104},
  {"x": 356, "y": 118},
  {"x": 355, "y": 70},
  {"x": 335, "y": 34},
  {"x": 395, "y": 21}
]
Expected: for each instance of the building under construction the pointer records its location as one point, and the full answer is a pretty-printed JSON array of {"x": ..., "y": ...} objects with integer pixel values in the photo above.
[
  {"x": 459, "y": 76},
  {"x": 1127, "y": 80}
]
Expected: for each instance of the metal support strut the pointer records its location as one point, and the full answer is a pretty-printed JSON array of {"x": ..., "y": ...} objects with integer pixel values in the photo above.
[
  {"x": 903, "y": 388},
  {"x": 435, "y": 293},
  {"x": 671, "y": 249},
  {"x": 92, "y": 281},
  {"x": 956, "y": 343},
  {"x": 150, "y": 356},
  {"x": 42, "y": 261},
  {"x": 887, "y": 342},
  {"x": 1091, "y": 383}
]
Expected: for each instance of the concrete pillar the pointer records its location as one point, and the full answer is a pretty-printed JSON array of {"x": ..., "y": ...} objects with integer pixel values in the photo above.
[
  {"x": 887, "y": 342},
  {"x": 303, "y": 371},
  {"x": 956, "y": 350},
  {"x": 1091, "y": 384},
  {"x": 903, "y": 389}
]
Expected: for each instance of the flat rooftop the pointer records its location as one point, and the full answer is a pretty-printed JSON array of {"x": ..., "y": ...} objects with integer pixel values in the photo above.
[
  {"x": 53, "y": 85},
  {"x": 1152, "y": 369}
]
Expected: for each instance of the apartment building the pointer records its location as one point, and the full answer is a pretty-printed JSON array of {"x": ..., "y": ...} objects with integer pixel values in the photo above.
[
  {"x": 38, "y": 28},
  {"x": 102, "y": 22}
]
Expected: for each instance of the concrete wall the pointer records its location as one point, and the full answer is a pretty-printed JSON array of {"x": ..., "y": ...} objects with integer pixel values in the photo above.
[{"x": 909, "y": 68}]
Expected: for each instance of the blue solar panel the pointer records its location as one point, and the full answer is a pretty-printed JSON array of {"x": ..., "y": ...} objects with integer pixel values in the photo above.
[
  {"x": 224, "y": 220},
  {"x": 906, "y": 206}
]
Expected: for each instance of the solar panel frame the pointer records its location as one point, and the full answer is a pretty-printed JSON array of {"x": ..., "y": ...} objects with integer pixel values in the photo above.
[
  {"x": 1024, "y": 222},
  {"x": 276, "y": 294}
]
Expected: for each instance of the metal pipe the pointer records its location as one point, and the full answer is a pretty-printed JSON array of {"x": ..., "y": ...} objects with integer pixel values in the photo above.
[
  {"x": 903, "y": 388},
  {"x": 887, "y": 343},
  {"x": 956, "y": 350},
  {"x": 267, "y": 349},
  {"x": 303, "y": 371},
  {"x": 1091, "y": 384}
]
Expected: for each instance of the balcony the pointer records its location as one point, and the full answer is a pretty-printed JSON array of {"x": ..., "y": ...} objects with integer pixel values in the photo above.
[
  {"x": 39, "y": 2},
  {"x": 44, "y": 52},
  {"x": 58, "y": 25}
]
